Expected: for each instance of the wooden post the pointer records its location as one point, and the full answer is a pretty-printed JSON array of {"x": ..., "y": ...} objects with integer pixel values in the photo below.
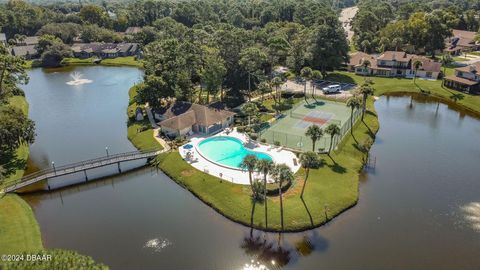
[
  {"x": 119, "y": 169},
  {"x": 86, "y": 177}
]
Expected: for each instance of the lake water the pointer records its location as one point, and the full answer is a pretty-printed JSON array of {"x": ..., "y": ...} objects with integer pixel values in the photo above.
[{"x": 417, "y": 209}]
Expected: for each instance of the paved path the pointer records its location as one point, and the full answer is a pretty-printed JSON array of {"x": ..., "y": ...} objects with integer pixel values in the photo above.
[{"x": 156, "y": 130}]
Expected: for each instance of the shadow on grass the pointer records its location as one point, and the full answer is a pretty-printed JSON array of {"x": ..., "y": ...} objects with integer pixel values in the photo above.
[
  {"x": 10, "y": 162},
  {"x": 337, "y": 77},
  {"x": 337, "y": 168},
  {"x": 308, "y": 211}
]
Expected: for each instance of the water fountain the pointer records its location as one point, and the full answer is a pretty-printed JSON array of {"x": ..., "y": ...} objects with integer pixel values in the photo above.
[
  {"x": 472, "y": 214},
  {"x": 77, "y": 79}
]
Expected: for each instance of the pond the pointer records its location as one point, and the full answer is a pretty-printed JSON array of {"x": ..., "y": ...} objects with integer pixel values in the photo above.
[{"x": 419, "y": 208}]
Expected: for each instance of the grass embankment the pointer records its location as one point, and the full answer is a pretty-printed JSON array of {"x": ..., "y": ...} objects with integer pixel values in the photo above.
[
  {"x": 119, "y": 61},
  {"x": 331, "y": 189},
  {"x": 19, "y": 231},
  {"x": 139, "y": 133}
]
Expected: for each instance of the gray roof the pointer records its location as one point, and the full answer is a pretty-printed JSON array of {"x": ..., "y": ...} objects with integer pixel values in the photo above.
[
  {"x": 28, "y": 41},
  {"x": 24, "y": 50},
  {"x": 3, "y": 37},
  {"x": 133, "y": 30},
  {"x": 97, "y": 47}
]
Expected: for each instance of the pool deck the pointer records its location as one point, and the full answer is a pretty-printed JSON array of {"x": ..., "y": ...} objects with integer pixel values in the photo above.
[{"x": 278, "y": 155}]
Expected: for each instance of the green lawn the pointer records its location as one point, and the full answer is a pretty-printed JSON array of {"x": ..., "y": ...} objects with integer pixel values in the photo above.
[
  {"x": 335, "y": 186},
  {"x": 16, "y": 161},
  {"x": 119, "y": 61},
  {"x": 139, "y": 133},
  {"x": 331, "y": 189},
  {"x": 19, "y": 231}
]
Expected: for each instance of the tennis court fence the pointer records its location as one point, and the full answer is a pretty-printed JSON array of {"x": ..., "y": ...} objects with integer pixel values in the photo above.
[{"x": 303, "y": 143}]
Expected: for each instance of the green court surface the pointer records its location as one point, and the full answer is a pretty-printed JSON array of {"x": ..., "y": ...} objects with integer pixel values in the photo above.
[{"x": 290, "y": 129}]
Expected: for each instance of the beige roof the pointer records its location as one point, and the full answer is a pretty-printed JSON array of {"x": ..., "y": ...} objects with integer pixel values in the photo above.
[
  {"x": 356, "y": 59},
  {"x": 461, "y": 80},
  {"x": 473, "y": 68},
  {"x": 465, "y": 39},
  {"x": 427, "y": 64},
  {"x": 184, "y": 114},
  {"x": 395, "y": 56}
]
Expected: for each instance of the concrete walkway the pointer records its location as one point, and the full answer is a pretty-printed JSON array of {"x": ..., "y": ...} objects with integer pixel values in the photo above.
[
  {"x": 237, "y": 176},
  {"x": 156, "y": 130}
]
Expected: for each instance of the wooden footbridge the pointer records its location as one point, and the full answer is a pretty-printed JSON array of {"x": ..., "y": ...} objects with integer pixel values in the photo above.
[{"x": 82, "y": 166}]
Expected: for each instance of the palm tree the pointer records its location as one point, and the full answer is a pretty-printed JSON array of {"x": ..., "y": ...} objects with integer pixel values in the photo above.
[
  {"x": 305, "y": 73},
  {"x": 249, "y": 109},
  {"x": 316, "y": 75},
  {"x": 276, "y": 82},
  {"x": 416, "y": 65},
  {"x": 365, "y": 45},
  {"x": 332, "y": 130},
  {"x": 308, "y": 160},
  {"x": 353, "y": 103},
  {"x": 282, "y": 173},
  {"x": 446, "y": 60},
  {"x": 264, "y": 87},
  {"x": 248, "y": 163},
  {"x": 265, "y": 166},
  {"x": 365, "y": 64},
  {"x": 315, "y": 133},
  {"x": 366, "y": 90}
]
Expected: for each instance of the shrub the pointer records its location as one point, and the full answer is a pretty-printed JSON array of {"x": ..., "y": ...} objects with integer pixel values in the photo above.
[
  {"x": 263, "y": 140},
  {"x": 276, "y": 143},
  {"x": 253, "y": 136},
  {"x": 241, "y": 129}
]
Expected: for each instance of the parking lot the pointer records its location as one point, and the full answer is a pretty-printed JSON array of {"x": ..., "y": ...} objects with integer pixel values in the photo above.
[{"x": 298, "y": 87}]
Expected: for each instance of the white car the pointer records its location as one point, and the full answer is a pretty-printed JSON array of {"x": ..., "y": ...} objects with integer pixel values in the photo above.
[{"x": 334, "y": 88}]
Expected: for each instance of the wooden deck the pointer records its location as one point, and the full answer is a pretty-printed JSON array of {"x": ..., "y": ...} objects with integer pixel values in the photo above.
[{"x": 82, "y": 166}]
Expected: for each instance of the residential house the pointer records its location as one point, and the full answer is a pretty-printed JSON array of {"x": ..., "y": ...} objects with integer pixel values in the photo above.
[
  {"x": 393, "y": 64},
  {"x": 105, "y": 50},
  {"x": 3, "y": 38},
  {"x": 461, "y": 41},
  {"x": 183, "y": 118},
  {"x": 28, "y": 52},
  {"x": 133, "y": 30},
  {"x": 466, "y": 79},
  {"x": 27, "y": 41}
]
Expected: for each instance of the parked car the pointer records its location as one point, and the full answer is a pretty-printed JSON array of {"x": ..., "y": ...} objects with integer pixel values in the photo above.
[{"x": 334, "y": 88}]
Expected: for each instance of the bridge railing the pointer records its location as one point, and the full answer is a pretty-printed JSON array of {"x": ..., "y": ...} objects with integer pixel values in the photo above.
[{"x": 116, "y": 157}]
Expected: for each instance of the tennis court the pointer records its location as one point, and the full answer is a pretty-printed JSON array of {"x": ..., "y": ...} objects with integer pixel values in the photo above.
[{"x": 290, "y": 129}]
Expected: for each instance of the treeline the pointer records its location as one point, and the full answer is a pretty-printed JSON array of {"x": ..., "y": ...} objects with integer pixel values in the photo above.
[
  {"x": 222, "y": 59},
  {"x": 15, "y": 127},
  {"x": 418, "y": 26}
]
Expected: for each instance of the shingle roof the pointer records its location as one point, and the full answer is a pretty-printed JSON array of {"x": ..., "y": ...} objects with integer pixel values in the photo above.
[
  {"x": 427, "y": 64},
  {"x": 184, "y": 114},
  {"x": 473, "y": 68},
  {"x": 28, "y": 41},
  {"x": 461, "y": 80},
  {"x": 105, "y": 47},
  {"x": 395, "y": 56},
  {"x": 133, "y": 30},
  {"x": 24, "y": 50}
]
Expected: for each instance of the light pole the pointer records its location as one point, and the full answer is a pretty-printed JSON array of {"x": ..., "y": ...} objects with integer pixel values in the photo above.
[
  {"x": 106, "y": 150},
  {"x": 53, "y": 165}
]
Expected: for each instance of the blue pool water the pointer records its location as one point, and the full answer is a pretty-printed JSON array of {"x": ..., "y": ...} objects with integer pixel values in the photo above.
[{"x": 227, "y": 151}]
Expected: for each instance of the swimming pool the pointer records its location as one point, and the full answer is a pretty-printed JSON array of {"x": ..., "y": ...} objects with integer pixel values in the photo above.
[{"x": 227, "y": 151}]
